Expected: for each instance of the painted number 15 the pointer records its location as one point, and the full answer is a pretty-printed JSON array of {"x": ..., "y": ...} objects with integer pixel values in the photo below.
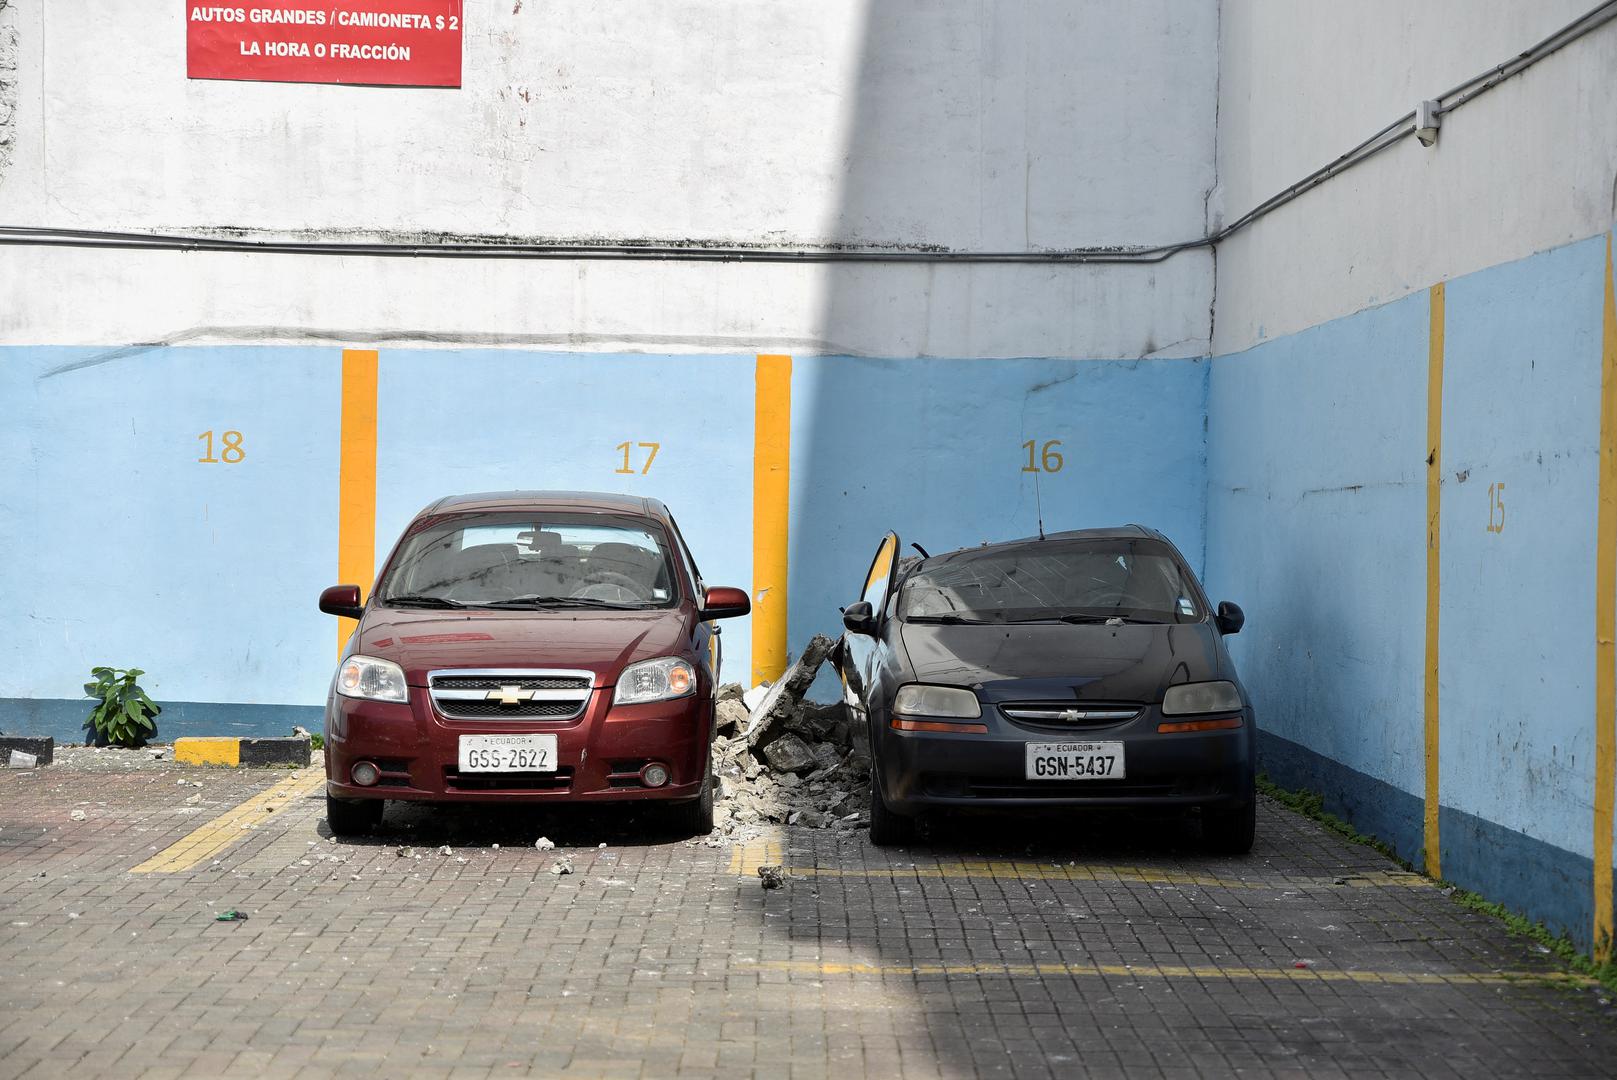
[{"x": 1496, "y": 508}]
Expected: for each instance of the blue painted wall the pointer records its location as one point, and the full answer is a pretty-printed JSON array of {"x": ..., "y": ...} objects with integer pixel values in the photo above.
[
  {"x": 1316, "y": 523},
  {"x": 933, "y": 449},
  {"x": 134, "y": 553}
]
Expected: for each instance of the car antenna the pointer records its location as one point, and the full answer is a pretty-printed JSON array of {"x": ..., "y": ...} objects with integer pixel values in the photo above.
[{"x": 1038, "y": 501}]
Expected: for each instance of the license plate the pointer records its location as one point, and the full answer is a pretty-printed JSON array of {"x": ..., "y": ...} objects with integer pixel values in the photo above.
[
  {"x": 1075, "y": 761},
  {"x": 508, "y": 753}
]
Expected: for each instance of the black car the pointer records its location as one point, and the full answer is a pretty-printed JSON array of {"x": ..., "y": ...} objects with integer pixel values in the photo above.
[{"x": 1079, "y": 669}]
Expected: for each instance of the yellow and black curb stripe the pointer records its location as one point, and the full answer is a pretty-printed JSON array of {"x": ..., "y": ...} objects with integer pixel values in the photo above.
[{"x": 238, "y": 752}]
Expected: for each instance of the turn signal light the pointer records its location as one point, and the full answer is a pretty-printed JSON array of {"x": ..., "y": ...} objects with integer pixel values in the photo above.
[
  {"x": 938, "y": 725},
  {"x": 1225, "y": 724}
]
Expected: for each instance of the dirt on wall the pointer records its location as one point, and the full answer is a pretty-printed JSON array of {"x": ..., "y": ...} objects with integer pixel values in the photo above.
[{"x": 8, "y": 81}]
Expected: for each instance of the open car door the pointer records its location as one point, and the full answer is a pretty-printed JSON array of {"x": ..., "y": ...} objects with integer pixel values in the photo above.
[{"x": 862, "y": 625}]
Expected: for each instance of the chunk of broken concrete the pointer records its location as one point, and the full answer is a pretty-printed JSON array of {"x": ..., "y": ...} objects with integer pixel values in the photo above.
[
  {"x": 789, "y": 754},
  {"x": 771, "y": 877},
  {"x": 561, "y": 866},
  {"x": 729, "y": 717},
  {"x": 787, "y": 691}
]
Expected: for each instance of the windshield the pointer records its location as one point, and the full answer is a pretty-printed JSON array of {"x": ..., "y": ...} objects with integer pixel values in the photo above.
[
  {"x": 533, "y": 560},
  {"x": 1074, "y": 580}
]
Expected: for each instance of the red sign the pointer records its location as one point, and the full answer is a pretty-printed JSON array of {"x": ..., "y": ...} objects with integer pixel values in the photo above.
[{"x": 371, "y": 42}]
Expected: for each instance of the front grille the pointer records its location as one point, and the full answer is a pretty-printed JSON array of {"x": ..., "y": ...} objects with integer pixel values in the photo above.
[
  {"x": 560, "y": 780},
  {"x": 494, "y": 682},
  {"x": 1068, "y": 714},
  {"x": 510, "y": 694},
  {"x": 476, "y": 710}
]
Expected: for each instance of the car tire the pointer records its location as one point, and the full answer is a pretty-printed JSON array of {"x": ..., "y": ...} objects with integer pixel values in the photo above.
[
  {"x": 695, "y": 818},
  {"x": 1231, "y": 831},
  {"x": 353, "y": 817},
  {"x": 887, "y": 829}
]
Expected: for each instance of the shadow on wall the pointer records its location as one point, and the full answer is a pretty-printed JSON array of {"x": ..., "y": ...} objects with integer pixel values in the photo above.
[
  {"x": 1006, "y": 386},
  {"x": 981, "y": 395}
]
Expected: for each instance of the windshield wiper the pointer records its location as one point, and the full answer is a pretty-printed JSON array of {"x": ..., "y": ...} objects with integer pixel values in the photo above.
[
  {"x": 949, "y": 617},
  {"x": 417, "y": 600},
  {"x": 559, "y": 602},
  {"x": 1075, "y": 617}
]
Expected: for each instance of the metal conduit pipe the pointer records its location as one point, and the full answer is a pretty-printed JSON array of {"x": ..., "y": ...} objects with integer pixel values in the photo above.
[{"x": 1450, "y": 100}]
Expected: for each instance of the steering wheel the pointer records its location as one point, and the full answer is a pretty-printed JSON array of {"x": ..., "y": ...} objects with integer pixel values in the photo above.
[{"x": 615, "y": 580}]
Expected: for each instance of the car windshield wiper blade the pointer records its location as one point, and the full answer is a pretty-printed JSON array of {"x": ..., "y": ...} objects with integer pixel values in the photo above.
[
  {"x": 948, "y": 617},
  {"x": 416, "y": 600},
  {"x": 558, "y": 602},
  {"x": 1078, "y": 617}
]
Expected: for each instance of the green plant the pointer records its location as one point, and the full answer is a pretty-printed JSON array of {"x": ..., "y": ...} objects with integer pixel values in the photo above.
[{"x": 123, "y": 713}]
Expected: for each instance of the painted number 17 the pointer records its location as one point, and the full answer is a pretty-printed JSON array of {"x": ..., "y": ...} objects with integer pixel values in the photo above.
[{"x": 627, "y": 448}]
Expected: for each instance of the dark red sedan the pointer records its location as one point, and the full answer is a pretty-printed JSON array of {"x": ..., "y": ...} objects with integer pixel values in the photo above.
[{"x": 531, "y": 646}]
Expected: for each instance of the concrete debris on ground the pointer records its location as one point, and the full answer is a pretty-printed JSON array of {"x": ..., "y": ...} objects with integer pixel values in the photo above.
[
  {"x": 561, "y": 866},
  {"x": 787, "y": 761},
  {"x": 771, "y": 877}
]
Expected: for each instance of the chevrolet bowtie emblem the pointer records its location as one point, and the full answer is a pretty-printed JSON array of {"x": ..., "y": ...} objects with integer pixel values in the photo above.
[
  {"x": 1071, "y": 716},
  {"x": 510, "y": 695}
]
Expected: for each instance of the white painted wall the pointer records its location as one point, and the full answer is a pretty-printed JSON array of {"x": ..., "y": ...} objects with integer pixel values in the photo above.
[
  {"x": 1528, "y": 166},
  {"x": 1028, "y": 124}
]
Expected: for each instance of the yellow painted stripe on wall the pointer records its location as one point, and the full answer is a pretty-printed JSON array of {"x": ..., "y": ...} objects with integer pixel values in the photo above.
[
  {"x": 356, "y": 528},
  {"x": 771, "y": 509},
  {"x": 1606, "y": 621},
  {"x": 208, "y": 840},
  {"x": 1434, "y": 500},
  {"x": 197, "y": 751}
]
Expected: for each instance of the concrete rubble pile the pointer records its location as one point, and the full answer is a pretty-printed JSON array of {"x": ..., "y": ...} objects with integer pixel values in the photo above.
[{"x": 789, "y": 761}]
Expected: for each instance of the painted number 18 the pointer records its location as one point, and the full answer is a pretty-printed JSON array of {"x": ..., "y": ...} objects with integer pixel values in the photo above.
[{"x": 230, "y": 452}]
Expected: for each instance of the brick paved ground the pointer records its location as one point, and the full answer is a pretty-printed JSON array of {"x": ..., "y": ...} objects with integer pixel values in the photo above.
[{"x": 1029, "y": 949}]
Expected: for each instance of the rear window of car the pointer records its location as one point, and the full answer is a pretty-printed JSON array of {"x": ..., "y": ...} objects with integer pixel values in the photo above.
[
  {"x": 1138, "y": 580},
  {"x": 474, "y": 559}
]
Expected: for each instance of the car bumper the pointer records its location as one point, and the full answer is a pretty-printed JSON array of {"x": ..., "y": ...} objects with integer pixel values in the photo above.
[
  {"x": 599, "y": 754},
  {"x": 928, "y": 770}
]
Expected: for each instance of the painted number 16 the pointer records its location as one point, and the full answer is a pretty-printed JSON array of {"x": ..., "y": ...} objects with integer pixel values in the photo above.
[{"x": 1049, "y": 457}]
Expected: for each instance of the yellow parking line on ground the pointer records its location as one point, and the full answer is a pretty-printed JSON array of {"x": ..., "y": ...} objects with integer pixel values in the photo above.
[
  {"x": 769, "y": 849},
  {"x": 1171, "y": 971},
  {"x": 1100, "y": 873},
  {"x": 210, "y": 839}
]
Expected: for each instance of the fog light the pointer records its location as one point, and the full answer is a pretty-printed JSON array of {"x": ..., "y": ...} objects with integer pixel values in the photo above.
[
  {"x": 365, "y": 774},
  {"x": 654, "y": 775}
]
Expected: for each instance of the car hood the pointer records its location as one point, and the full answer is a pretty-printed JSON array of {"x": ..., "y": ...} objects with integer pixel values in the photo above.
[
  {"x": 1061, "y": 661},
  {"x": 601, "y": 642}
]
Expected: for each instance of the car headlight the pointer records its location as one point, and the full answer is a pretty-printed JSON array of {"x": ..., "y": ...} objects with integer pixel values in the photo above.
[
  {"x": 368, "y": 677},
  {"x": 662, "y": 679},
  {"x": 1202, "y": 697},
  {"x": 914, "y": 700}
]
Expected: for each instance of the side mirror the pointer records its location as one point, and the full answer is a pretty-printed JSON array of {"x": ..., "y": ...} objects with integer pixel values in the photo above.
[
  {"x": 860, "y": 619},
  {"x": 342, "y": 600},
  {"x": 1230, "y": 618},
  {"x": 723, "y": 602}
]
